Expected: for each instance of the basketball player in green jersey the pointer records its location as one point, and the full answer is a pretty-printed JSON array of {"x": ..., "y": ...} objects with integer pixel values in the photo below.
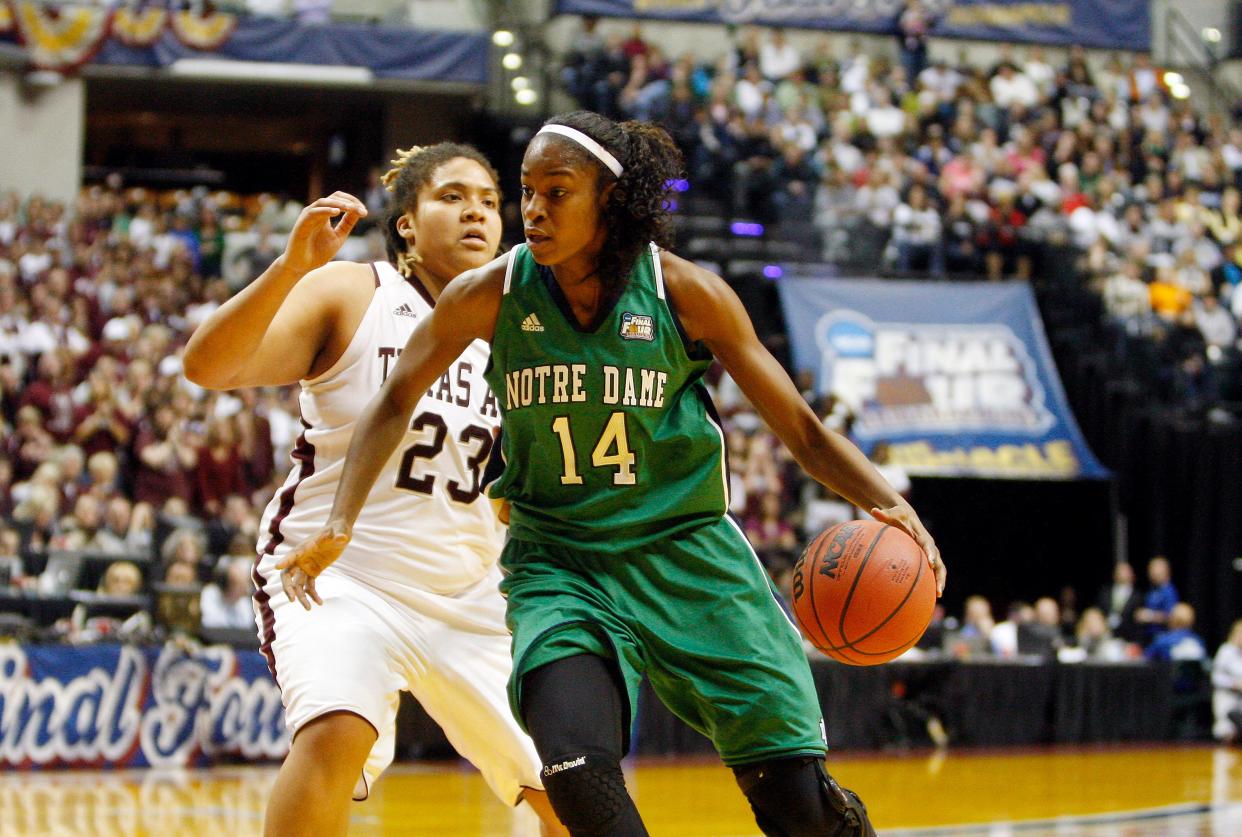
[{"x": 621, "y": 560}]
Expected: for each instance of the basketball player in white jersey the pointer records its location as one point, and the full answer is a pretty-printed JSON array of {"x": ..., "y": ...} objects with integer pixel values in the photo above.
[{"x": 413, "y": 603}]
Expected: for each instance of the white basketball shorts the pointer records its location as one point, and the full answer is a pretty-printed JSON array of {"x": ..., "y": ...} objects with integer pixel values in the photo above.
[{"x": 361, "y": 647}]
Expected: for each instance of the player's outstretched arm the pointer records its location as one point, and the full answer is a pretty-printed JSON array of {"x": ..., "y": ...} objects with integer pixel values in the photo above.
[
  {"x": 270, "y": 333},
  {"x": 711, "y": 312},
  {"x": 466, "y": 311}
]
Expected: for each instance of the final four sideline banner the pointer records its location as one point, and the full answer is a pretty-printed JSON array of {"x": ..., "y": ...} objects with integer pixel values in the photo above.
[
  {"x": 1106, "y": 24},
  {"x": 125, "y": 706},
  {"x": 957, "y": 378}
]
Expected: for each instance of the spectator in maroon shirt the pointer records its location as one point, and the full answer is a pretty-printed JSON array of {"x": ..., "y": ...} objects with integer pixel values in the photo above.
[
  {"x": 30, "y": 445},
  {"x": 51, "y": 392},
  {"x": 254, "y": 435},
  {"x": 101, "y": 424},
  {"x": 219, "y": 471},
  {"x": 6, "y": 483},
  {"x": 164, "y": 454}
]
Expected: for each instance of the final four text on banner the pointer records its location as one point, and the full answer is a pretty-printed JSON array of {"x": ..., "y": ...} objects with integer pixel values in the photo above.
[
  {"x": 956, "y": 378},
  {"x": 1106, "y": 24},
  {"x": 129, "y": 706}
]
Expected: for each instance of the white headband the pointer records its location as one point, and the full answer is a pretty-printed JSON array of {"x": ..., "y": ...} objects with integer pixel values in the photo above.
[{"x": 589, "y": 144}]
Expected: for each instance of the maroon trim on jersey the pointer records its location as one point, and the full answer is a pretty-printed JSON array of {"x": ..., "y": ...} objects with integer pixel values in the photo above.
[
  {"x": 418, "y": 285},
  {"x": 375, "y": 270},
  {"x": 304, "y": 454}
]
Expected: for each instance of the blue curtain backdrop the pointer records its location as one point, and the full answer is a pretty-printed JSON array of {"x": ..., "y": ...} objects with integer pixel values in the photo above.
[{"x": 1107, "y": 24}]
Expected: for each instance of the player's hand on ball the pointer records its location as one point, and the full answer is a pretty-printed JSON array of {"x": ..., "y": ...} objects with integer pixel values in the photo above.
[
  {"x": 314, "y": 240},
  {"x": 300, "y": 567},
  {"x": 904, "y": 518}
]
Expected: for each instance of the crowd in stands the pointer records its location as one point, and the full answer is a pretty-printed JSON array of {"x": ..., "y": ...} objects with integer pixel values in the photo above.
[
  {"x": 959, "y": 169},
  {"x": 106, "y": 448}
]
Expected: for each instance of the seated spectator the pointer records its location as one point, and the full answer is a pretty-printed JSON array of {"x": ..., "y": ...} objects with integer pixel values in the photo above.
[
  {"x": 1119, "y": 602},
  {"x": 1179, "y": 642},
  {"x": 961, "y": 254},
  {"x": 1169, "y": 300},
  {"x": 1093, "y": 637},
  {"x": 166, "y": 451},
  {"x": 181, "y": 574},
  {"x": 102, "y": 475},
  {"x": 1160, "y": 599},
  {"x": 122, "y": 578},
  {"x": 1216, "y": 324},
  {"x": 777, "y": 57},
  {"x": 218, "y": 471},
  {"x": 975, "y": 637},
  {"x": 1000, "y": 242},
  {"x": 916, "y": 233},
  {"x": 80, "y": 531},
  {"x": 12, "y": 571},
  {"x": 1042, "y": 635},
  {"x": 1010, "y": 87},
  {"x": 227, "y": 604},
  {"x": 185, "y": 545},
  {"x": 36, "y": 517},
  {"x": 1227, "y": 687},
  {"x": 1005, "y": 634},
  {"x": 1126, "y": 296},
  {"x": 30, "y": 445}
]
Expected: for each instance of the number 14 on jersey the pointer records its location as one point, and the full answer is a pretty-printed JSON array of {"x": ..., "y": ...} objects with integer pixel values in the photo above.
[{"x": 612, "y": 450}]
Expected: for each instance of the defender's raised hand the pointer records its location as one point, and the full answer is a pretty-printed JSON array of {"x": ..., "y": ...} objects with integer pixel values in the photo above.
[{"x": 315, "y": 238}]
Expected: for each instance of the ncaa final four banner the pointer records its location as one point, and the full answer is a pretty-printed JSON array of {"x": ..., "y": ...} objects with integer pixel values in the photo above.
[
  {"x": 1106, "y": 24},
  {"x": 956, "y": 378},
  {"x": 126, "y": 706}
]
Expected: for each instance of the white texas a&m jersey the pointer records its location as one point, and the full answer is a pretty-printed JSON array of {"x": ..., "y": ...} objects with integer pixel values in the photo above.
[{"x": 426, "y": 524}]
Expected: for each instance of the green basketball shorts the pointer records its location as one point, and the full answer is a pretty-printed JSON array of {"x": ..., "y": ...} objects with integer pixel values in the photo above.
[{"x": 695, "y": 612}]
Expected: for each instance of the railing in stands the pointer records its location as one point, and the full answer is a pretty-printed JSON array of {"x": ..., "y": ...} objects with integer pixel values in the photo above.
[{"x": 1186, "y": 48}]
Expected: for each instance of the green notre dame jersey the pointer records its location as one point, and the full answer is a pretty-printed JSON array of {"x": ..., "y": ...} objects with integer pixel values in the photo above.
[{"x": 609, "y": 436}]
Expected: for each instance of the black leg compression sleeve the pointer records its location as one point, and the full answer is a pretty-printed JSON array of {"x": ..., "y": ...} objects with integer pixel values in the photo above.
[
  {"x": 576, "y": 712},
  {"x": 796, "y": 797}
]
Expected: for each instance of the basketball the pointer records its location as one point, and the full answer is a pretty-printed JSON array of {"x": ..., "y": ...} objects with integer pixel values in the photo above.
[{"x": 863, "y": 592}]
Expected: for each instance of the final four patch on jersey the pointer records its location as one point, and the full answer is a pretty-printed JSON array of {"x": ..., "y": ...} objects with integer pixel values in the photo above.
[{"x": 637, "y": 326}]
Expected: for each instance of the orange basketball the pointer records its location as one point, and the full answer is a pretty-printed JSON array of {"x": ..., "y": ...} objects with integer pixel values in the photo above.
[{"x": 863, "y": 592}]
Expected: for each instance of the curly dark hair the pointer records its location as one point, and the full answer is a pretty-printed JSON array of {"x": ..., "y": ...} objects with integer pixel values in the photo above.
[
  {"x": 412, "y": 170},
  {"x": 638, "y": 208}
]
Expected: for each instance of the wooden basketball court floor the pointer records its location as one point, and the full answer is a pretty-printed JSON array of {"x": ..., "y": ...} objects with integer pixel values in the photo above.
[{"x": 1123, "y": 792}]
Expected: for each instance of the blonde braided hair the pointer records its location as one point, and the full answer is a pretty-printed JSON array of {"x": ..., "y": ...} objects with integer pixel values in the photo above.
[{"x": 406, "y": 259}]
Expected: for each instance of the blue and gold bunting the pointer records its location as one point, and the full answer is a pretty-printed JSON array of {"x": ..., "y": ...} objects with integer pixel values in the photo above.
[
  {"x": 60, "y": 38},
  {"x": 206, "y": 31},
  {"x": 136, "y": 26}
]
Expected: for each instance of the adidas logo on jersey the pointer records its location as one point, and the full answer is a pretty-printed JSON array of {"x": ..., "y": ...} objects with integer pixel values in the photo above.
[
  {"x": 404, "y": 310},
  {"x": 531, "y": 323}
]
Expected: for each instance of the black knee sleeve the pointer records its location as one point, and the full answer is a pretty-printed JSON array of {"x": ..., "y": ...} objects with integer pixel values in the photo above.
[
  {"x": 797, "y": 798},
  {"x": 588, "y": 793},
  {"x": 575, "y": 710}
]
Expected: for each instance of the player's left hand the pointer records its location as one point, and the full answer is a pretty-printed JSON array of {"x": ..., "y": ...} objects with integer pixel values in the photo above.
[
  {"x": 905, "y": 518},
  {"x": 300, "y": 567},
  {"x": 298, "y": 585}
]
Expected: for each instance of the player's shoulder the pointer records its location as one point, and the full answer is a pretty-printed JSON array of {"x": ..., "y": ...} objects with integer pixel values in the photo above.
[
  {"x": 337, "y": 282},
  {"x": 481, "y": 282},
  {"x": 686, "y": 281}
]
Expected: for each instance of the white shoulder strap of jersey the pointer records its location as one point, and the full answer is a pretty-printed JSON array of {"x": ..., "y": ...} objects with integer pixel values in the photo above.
[
  {"x": 509, "y": 267},
  {"x": 383, "y": 273},
  {"x": 659, "y": 271}
]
